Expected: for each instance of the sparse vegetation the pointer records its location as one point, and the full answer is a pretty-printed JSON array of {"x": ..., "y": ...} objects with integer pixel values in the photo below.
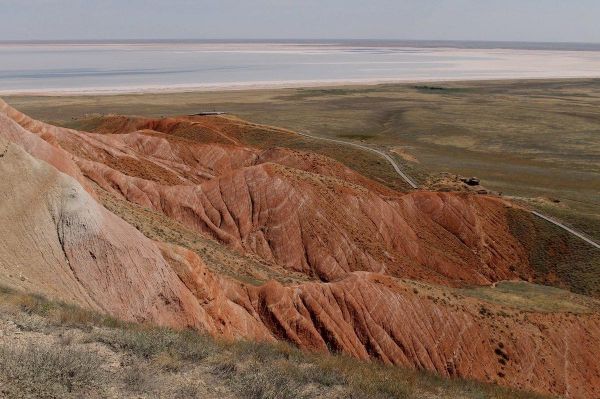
[
  {"x": 556, "y": 256},
  {"x": 524, "y": 138},
  {"x": 166, "y": 346},
  {"x": 50, "y": 371},
  {"x": 220, "y": 258},
  {"x": 109, "y": 358},
  {"x": 136, "y": 359},
  {"x": 525, "y": 296}
]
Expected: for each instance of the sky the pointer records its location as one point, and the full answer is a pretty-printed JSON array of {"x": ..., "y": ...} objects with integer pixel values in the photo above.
[{"x": 490, "y": 20}]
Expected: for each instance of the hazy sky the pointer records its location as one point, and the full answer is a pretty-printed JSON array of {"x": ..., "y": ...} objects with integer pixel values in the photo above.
[{"x": 518, "y": 20}]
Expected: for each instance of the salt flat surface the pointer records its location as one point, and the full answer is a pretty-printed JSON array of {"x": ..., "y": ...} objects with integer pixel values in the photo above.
[{"x": 138, "y": 67}]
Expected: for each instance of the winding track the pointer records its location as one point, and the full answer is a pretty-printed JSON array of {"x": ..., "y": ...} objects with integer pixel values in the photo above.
[
  {"x": 364, "y": 147},
  {"x": 411, "y": 183},
  {"x": 570, "y": 230}
]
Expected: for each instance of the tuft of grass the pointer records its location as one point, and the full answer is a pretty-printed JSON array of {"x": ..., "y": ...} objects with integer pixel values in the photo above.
[
  {"x": 273, "y": 381},
  {"x": 186, "y": 391},
  {"x": 50, "y": 372},
  {"x": 138, "y": 378},
  {"x": 157, "y": 342},
  {"x": 168, "y": 361},
  {"x": 56, "y": 312}
]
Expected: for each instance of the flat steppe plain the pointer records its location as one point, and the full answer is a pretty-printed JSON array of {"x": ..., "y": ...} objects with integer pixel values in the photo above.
[{"x": 538, "y": 140}]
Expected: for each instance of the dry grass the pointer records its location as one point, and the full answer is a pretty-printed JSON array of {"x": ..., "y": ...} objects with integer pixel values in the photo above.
[
  {"x": 556, "y": 255},
  {"x": 50, "y": 372},
  {"x": 161, "y": 362},
  {"x": 165, "y": 346},
  {"x": 534, "y": 298},
  {"x": 139, "y": 378},
  {"x": 57, "y": 313}
]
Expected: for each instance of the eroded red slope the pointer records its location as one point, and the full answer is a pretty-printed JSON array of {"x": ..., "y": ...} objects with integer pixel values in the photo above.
[{"x": 304, "y": 212}]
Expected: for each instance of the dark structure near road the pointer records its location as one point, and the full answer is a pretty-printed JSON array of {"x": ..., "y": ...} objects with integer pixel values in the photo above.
[
  {"x": 471, "y": 181},
  {"x": 208, "y": 113}
]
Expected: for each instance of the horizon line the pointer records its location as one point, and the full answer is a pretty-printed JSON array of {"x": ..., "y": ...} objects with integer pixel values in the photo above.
[{"x": 300, "y": 39}]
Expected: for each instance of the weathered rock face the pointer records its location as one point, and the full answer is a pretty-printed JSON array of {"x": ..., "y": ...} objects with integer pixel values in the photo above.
[
  {"x": 370, "y": 315},
  {"x": 303, "y": 212},
  {"x": 407, "y": 329},
  {"x": 41, "y": 149},
  {"x": 58, "y": 240}
]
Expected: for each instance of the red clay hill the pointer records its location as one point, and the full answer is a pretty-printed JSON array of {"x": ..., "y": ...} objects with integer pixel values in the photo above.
[{"x": 339, "y": 254}]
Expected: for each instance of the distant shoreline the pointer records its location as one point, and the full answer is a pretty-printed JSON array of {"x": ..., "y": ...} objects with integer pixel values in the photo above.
[
  {"x": 150, "y": 67},
  {"x": 407, "y": 43},
  {"x": 274, "y": 85}
]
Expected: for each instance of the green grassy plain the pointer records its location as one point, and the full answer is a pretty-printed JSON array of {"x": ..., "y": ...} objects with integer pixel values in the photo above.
[{"x": 537, "y": 138}]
